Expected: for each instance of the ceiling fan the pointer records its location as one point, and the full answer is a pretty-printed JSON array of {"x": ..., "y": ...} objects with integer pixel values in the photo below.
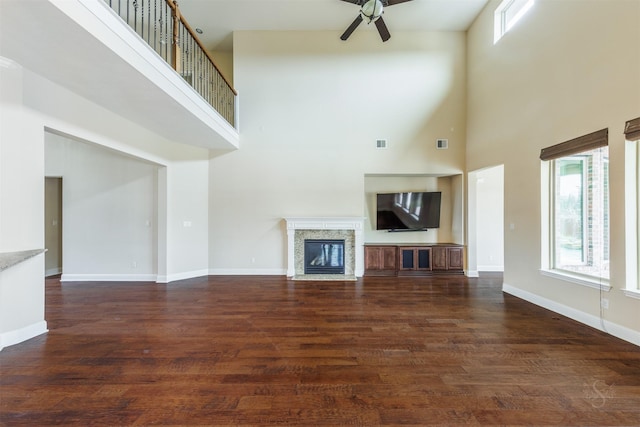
[{"x": 371, "y": 10}]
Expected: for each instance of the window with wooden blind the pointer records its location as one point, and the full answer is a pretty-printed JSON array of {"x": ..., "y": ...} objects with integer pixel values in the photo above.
[
  {"x": 578, "y": 226},
  {"x": 632, "y": 207}
]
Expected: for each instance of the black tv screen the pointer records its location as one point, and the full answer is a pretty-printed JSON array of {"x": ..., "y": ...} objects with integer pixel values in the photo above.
[{"x": 408, "y": 211}]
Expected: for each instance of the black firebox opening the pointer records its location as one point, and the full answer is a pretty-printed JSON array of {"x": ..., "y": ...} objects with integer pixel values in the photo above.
[{"x": 323, "y": 256}]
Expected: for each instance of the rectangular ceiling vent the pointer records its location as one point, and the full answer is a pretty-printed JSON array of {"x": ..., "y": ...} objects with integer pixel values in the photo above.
[
  {"x": 381, "y": 143},
  {"x": 442, "y": 144}
]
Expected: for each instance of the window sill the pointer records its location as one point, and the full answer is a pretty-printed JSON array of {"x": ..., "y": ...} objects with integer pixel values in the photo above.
[
  {"x": 602, "y": 285},
  {"x": 632, "y": 293}
]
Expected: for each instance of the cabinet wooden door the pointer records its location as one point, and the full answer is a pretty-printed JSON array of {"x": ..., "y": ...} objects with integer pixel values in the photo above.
[
  {"x": 380, "y": 259},
  {"x": 455, "y": 259},
  {"x": 439, "y": 258}
]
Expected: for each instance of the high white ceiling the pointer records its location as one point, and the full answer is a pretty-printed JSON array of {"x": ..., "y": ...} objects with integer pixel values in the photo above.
[{"x": 219, "y": 18}]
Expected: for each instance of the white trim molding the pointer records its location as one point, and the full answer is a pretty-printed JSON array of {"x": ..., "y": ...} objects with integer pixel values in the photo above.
[
  {"x": 181, "y": 276},
  {"x": 491, "y": 268},
  {"x": 472, "y": 273},
  {"x": 134, "y": 277},
  {"x": 247, "y": 272},
  {"x": 326, "y": 223},
  {"x": 632, "y": 293},
  {"x": 603, "y": 325},
  {"x": 108, "y": 278},
  {"x": 590, "y": 283},
  {"x": 20, "y": 335},
  {"x": 53, "y": 272}
]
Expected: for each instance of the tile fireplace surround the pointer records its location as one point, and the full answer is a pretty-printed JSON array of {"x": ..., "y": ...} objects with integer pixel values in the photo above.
[{"x": 347, "y": 228}]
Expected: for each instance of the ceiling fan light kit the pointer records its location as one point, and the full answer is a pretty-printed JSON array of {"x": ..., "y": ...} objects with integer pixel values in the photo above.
[{"x": 372, "y": 10}]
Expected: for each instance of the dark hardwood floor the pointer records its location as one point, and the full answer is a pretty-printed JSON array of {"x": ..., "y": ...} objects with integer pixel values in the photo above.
[{"x": 265, "y": 350}]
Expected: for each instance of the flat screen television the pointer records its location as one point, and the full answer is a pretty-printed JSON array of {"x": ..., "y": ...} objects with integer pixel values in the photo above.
[{"x": 408, "y": 211}]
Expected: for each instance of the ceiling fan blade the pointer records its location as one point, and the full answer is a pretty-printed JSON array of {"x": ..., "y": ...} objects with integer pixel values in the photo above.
[
  {"x": 382, "y": 29},
  {"x": 391, "y": 2},
  {"x": 358, "y": 2},
  {"x": 351, "y": 28}
]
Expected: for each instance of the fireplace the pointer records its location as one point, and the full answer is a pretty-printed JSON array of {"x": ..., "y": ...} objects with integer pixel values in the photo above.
[
  {"x": 347, "y": 230},
  {"x": 323, "y": 256}
]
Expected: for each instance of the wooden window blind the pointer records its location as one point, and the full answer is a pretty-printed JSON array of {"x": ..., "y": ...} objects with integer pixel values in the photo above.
[
  {"x": 577, "y": 145},
  {"x": 632, "y": 129}
]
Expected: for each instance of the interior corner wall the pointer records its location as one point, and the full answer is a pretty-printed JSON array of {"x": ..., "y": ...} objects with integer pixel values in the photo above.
[
  {"x": 21, "y": 167},
  {"x": 187, "y": 218},
  {"x": 458, "y": 229},
  {"x": 566, "y": 69},
  {"x": 21, "y": 211},
  {"x": 224, "y": 62},
  {"x": 311, "y": 109},
  {"x": 182, "y": 172},
  {"x": 489, "y": 213},
  {"x": 52, "y": 226},
  {"x": 450, "y": 210},
  {"x": 110, "y": 209}
]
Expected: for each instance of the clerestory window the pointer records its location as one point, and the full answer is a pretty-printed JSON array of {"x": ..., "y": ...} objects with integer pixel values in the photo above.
[{"x": 507, "y": 14}]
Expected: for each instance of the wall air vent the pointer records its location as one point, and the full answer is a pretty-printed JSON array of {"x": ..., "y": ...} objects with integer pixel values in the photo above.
[
  {"x": 381, "y": 143},
  {"x": 442, "y": 144}
]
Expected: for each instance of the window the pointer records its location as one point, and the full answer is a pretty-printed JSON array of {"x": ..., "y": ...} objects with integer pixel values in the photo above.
[
  {"x": 632, "y": 207},
  {"x": 507, "y": 14},
  {"x": 578, "y": 225},
  {"x": 580, "y": 218}
]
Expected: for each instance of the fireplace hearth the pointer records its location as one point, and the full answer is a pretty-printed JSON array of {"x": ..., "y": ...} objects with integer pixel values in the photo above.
[
  {"x": 323, "y": 256},
  {"x": 347, "y": 230}
]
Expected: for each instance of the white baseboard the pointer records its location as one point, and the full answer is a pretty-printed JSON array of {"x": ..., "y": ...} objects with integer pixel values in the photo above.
[
  {"x": 491, "y": 268},
  {"x": 607, "y": 326},
  {"x": 133, "y": 277},
  {"x": 180, "y": 276},
  {"x": 108, "y": 278},
  {"x": 20, "y": 335},
  {"x": 248, "y": 272},
  {"x": 471, "y": 273},
  {"x": 52, "y": 272}
]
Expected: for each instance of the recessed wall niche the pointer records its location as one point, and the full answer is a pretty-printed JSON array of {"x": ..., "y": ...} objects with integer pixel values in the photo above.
[{"x": 451, "y": 214}]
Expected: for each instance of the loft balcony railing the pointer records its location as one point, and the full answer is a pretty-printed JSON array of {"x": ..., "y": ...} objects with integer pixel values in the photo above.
[{"x": 161, "y": 25}]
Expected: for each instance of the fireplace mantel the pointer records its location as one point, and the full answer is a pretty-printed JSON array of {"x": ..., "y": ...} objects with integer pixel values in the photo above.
[{"x": 354, "y": 224}]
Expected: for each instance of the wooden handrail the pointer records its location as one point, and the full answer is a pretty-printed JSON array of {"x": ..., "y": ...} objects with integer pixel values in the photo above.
[
  {"x": 170, "y": 35},
  {"x": 177, "y": 15}
]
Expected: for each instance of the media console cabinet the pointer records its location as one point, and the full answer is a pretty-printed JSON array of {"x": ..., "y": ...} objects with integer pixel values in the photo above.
[{"x": 413, "y": 259}]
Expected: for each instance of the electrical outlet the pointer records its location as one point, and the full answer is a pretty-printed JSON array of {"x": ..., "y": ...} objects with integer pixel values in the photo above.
[
  {"x": 442, "y": 144},
  {"x": 604, "y": 303},
  {"x": 381, "y": 143}
]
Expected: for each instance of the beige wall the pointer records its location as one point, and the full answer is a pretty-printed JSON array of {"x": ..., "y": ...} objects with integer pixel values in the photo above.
[
  {"x": 567, "y": 69},
  {"x": 21, "y": 210},
  {"x": 53, "y": 226},
  {"x": 109, "y": 202},
  {"x": 224, "y": 62},
  {"x": 389, "y": 184},
  {"x": 311, "y": 110}
]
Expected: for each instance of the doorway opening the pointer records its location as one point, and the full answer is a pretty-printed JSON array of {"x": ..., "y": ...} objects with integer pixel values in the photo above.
[
  {"x": 53, "y": 226},
  {"x": 486, "y": 220}
]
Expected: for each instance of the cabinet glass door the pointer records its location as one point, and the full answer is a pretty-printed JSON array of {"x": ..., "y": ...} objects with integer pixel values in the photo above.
[
  {"x": 424, "y": 259},
  {"x": 407, "y": 259}
]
